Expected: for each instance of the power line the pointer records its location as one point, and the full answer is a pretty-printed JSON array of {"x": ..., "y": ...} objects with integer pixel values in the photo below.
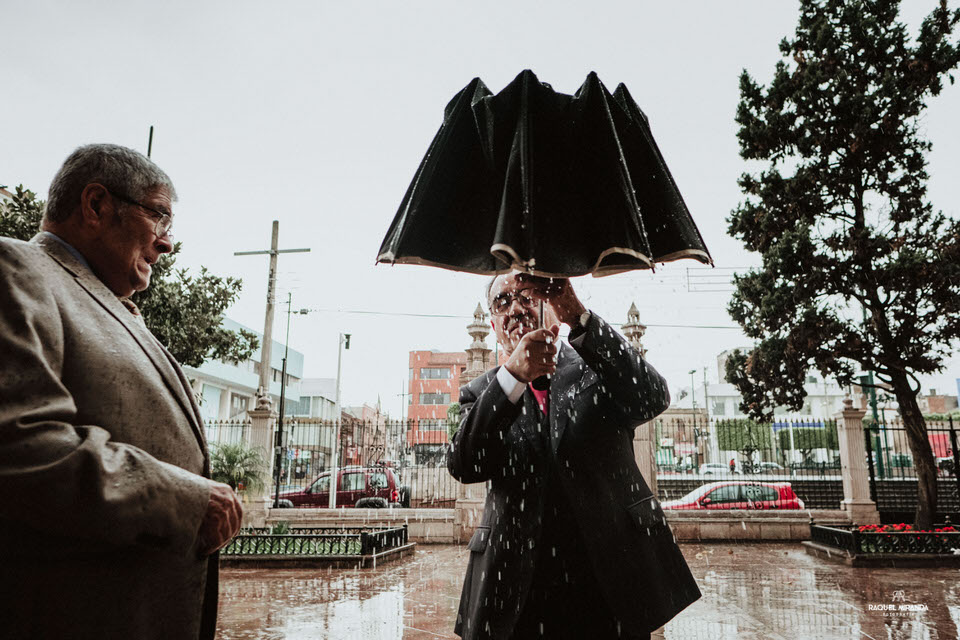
[{"x": 466, "y": 317}]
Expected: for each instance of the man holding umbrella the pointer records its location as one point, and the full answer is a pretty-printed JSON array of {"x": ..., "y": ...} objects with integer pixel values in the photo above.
[{"x": 572, "y": 543}]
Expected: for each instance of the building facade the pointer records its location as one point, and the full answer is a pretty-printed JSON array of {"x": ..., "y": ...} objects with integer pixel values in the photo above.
[
  {"x": 227, "y": 391},
  {"x": 433, "y": 385}
]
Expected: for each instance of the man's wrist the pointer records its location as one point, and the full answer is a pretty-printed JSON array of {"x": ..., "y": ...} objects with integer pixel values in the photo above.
[{"x": 512, "y": 386}]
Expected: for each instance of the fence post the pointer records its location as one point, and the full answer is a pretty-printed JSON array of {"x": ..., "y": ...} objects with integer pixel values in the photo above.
[
  {"x": 853, "y": 465},
  {"x": 956, "y": 456},
  {"x": 645, "y": 452},
  {"x": 868, "y": 443},
  {"x": 260, "y": 437}
]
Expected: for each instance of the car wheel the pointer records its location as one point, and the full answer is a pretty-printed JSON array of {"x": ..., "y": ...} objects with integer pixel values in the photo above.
[
  {"x": 371, "y": 503},
  {"x": 284, "y": 504}
]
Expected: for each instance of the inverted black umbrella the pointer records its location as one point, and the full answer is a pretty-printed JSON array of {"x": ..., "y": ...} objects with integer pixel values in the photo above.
[{"x": 543, "y": 182}]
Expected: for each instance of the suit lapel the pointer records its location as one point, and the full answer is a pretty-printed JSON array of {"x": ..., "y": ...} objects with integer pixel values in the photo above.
[{"x": 157, "y": 354}]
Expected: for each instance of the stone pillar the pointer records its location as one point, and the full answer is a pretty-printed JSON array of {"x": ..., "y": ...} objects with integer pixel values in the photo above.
[
  {"x": 645, "y": 453},
  {"x": 469, "y": 510},
  {"x": 853, "y": 466},
  {"x": 260, "y": 436}
]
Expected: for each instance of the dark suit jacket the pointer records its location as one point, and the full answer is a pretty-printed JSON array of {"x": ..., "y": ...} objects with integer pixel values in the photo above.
[
  {"x": 102, "y": 455},
  {"x": 599, "y": 394}
]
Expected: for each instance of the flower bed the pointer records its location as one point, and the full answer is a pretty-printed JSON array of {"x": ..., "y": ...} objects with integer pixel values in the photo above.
[
  {"x": 889, "y": 545},
  {"x": 903, "y": 538}
]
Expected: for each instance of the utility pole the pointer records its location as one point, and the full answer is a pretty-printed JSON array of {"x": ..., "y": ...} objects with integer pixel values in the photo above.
[
  {"x": 265, "y": 368},
  {"x": 150, "y": 142}
]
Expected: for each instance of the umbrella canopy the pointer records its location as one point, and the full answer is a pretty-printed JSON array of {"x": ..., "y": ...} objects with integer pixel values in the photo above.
[{"x": 543, "y": 182}]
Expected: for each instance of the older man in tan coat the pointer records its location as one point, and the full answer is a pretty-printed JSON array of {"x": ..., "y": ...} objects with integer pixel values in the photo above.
[{"x": 107, "y": 518}]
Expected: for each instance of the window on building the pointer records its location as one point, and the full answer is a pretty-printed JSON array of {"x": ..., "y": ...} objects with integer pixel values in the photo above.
[
  {"x": 411, "y": 373},
  {"x": 434, "y": 373},
  {"x": 434, "y": 398},
  {"x": 432, "y": 424},
  {"x": 256, "y": 368},
  {"x": 719, "y": 408},
  {"x": 238, "y": 404}
]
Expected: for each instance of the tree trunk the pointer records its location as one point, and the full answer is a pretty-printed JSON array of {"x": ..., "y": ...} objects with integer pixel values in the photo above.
[{"x": 916, "y": 429}]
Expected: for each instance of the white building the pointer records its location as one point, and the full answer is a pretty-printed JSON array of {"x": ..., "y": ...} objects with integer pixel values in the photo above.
[
  {"x": 226, "y": 391},
  {"x": 318, "y": 399},
  {"x": 722, "y": 400}
]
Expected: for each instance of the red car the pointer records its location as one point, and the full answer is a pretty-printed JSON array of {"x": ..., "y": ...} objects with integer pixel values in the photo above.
[
  {"x": 738, "y": 495},
  {"x": 373, "y": 487}
]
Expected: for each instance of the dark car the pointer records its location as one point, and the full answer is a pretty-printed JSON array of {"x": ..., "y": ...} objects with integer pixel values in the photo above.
[
  {"x": 373, "y": 487},
  {"x": 738, "y": 495}
]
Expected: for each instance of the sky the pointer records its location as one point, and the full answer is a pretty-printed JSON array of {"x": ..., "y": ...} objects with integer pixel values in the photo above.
[{"x": 318, "y": 113}]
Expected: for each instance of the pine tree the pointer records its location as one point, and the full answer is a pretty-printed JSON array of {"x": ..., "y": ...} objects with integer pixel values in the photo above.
[{"x": 858, "y": 270}]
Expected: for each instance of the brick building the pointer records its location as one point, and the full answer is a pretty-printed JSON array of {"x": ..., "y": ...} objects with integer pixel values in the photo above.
[{"x": 434, "y": 384}]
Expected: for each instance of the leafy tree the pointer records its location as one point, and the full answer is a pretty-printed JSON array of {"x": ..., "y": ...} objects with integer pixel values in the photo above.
[
  {"x": 453, "y": 419},
  {"x": 806, "y": 439},
  {"x": 20, "y": 217},
  {"x": 744, "y": 436},
  {"x": 238, "y": 465},
  {"x": 185, "y": 312},
  {"x": 858, "y": 269}
]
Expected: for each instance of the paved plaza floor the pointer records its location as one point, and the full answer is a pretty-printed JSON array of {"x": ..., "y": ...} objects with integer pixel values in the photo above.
[{"x": 750, "y": 591}]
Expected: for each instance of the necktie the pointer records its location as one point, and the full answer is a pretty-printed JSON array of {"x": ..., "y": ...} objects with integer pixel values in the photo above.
[{"x": 541, "y": 397}]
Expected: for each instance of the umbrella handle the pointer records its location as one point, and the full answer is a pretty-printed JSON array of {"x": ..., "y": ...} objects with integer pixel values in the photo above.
[{"x": 543, "y": 382}]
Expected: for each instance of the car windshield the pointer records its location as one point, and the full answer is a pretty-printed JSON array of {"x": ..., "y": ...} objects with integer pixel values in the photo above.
[{"x": 698, "y": 492}]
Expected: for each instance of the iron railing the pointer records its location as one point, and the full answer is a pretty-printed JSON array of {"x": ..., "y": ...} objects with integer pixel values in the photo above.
[
  {"x": 415, "y": 450},
  {"x": 893, "y": 477},
  {"x": 308, "y": 543},
  {"x": 694, "y": 451}
]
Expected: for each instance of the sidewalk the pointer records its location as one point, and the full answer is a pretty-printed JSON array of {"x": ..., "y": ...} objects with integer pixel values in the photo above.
[{"x": 750, "y": 591}]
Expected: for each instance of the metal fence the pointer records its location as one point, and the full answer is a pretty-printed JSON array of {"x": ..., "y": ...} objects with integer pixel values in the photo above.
[
  {"x": 316, "y": 541},
  {"x": 893, "y": 477},
  {"x": 414, "y": 450},
  {"x": 693, "y": 451}
]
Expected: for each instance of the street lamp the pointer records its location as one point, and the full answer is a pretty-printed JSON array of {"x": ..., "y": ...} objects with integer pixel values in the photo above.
[
  {"x": 280, "y": 449},
  {"x": 343, "y": 342}
]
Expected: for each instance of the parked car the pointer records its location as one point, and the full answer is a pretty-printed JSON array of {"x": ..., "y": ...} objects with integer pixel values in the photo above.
[
  {"x": 717, "y": 467},
  {"x": 373, "y": 487},
  {"x": 738, "y": 494}
]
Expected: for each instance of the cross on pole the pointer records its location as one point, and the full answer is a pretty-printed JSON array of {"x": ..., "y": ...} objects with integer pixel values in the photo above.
[{"x": 273, "y": 252}]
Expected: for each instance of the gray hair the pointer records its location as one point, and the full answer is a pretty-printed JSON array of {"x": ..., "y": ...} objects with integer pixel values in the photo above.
[
  {"x": 490, "y": 288},
  {"x": 121, "y": 170}
]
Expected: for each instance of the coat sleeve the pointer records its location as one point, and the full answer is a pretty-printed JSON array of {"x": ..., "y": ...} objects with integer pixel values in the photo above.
[
  {"x": 480, "y": 451},
  {"x": 68, "y": 479},
  {"x": 635, "y": 388}
]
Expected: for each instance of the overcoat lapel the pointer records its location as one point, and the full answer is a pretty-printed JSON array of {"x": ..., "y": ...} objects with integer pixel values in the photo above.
[
  {"x": 562, "y": 392},
  {"x": 155, "y": 351}
]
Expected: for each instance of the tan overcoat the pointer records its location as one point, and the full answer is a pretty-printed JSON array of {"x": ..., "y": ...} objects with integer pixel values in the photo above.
[{"x": 102, "y": 455}]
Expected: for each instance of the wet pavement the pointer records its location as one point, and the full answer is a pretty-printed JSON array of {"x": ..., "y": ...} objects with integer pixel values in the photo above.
[{"x": 750, "y": 591}]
